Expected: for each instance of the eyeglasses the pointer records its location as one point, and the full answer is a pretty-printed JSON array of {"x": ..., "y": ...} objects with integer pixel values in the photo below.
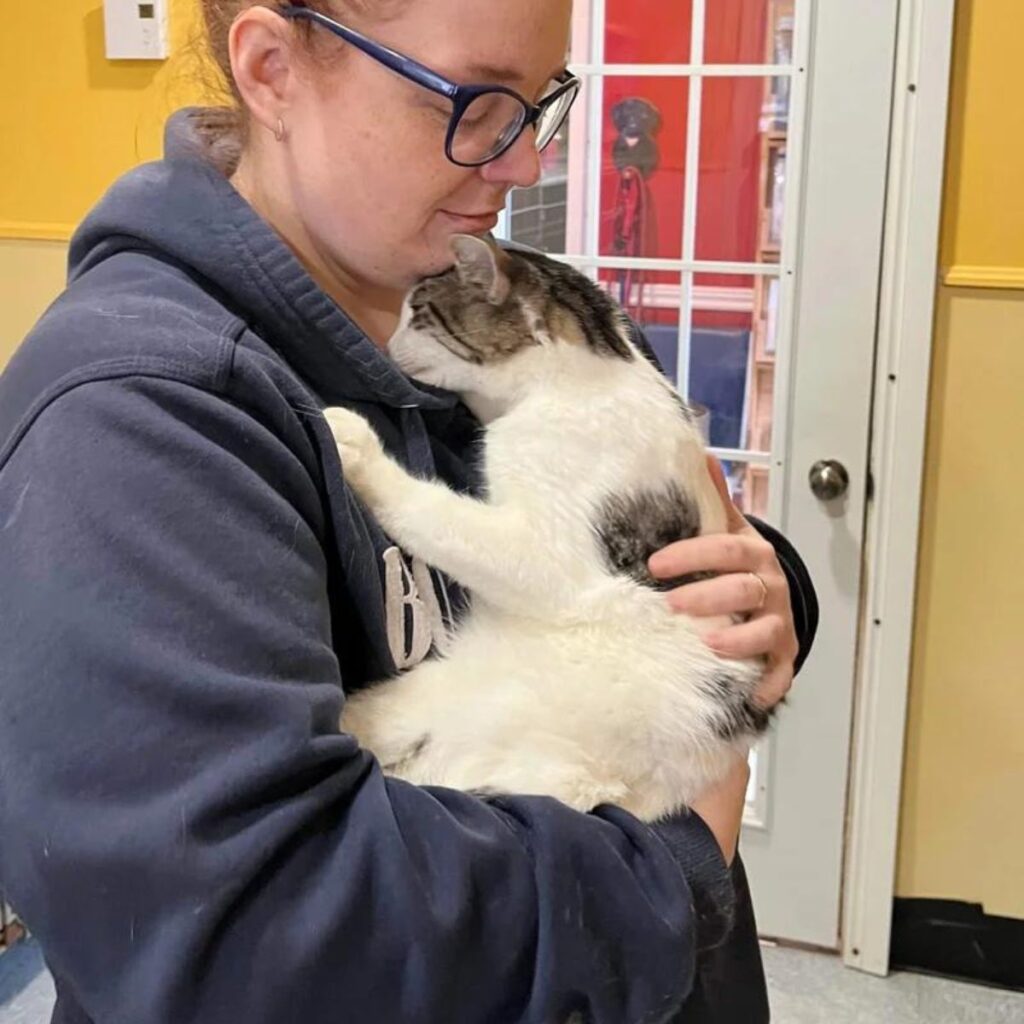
[{"x": 486, "y": 120}]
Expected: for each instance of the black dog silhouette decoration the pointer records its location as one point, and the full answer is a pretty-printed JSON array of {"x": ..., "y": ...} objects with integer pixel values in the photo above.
[{"x": 637, "y": 122}]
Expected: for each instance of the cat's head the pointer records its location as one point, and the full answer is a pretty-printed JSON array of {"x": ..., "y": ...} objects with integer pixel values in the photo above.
[{"x": 501, "y": 321}]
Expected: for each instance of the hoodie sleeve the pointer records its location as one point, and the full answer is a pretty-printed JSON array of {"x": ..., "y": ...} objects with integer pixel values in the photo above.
[{"x": 183, "y": 826}]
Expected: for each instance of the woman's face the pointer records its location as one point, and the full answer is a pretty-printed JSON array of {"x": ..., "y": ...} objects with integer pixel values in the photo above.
[{"x": 365, "y": 156}]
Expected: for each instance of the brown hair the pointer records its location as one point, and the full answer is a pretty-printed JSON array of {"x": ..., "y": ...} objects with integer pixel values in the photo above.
[{"x": 218, "y": 17}]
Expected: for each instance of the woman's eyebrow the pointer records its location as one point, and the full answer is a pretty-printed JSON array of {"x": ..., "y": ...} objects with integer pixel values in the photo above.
[{"x": 504, "y": 75}]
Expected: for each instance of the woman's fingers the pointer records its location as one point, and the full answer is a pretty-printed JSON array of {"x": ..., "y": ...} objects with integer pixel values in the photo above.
[
  {"x": 748, "y": 581},
  {"x": 774, "y": 685},
  {"x": 768, "y": 637},
  {"x": 765, "y": 635},
  {"x": 736, "y": 521},
  {"x": 723, "y": 595},
  {"x": 715, "y": 552}
]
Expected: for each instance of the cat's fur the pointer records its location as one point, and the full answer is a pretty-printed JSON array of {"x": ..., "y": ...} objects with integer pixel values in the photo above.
[{"x": 569, "y": 676}]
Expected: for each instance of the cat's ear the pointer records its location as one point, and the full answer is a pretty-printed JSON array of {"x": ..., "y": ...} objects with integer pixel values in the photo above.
[{"x": 483, "y": 264}]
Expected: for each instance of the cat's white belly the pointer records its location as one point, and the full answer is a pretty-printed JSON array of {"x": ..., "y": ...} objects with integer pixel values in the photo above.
[{"x": 622, "y": 714}]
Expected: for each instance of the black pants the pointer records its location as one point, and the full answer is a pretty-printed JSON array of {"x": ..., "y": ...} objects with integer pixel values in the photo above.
[{"x": 730, "y": 985}]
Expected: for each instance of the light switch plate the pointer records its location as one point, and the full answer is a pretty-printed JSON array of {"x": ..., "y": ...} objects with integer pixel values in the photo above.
[{"x": 136, "y": 31}]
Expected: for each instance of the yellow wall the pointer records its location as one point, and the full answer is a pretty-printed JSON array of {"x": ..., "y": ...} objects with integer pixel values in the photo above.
[
  {"x": 962, "y": 834},
  {"x": 983, "y": 240},
  {"x": 962, "y": 829},
  {"x": 70, "y": 120},
  {"x": 70, "y": 123},
  {"x": 31, "y": 276}
]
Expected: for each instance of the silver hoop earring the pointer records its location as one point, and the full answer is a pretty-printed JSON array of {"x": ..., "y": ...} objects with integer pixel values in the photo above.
[{"x": 279, "y": 131}]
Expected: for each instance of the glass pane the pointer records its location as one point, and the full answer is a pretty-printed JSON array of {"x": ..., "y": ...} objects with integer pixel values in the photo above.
[
  {"x": 652, "y": 299},
  {"x": 764, "y": 346},
  {"x": 643, "y": 167},
  {"x": 720, "y": 353},
  {"x": 732, "y": 345},
  {"x": 648, "y": 31},
  {"x": 550, "y": 215},
  {"x": 741, "y": 196},
  {"x": 537, "y": 215},
  {"x": 749, "y": 487},
  {"x": 749, "y": 32}
]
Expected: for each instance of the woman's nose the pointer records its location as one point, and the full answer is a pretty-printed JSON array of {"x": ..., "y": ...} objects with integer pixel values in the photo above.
[{"x": 519, "y": 165}]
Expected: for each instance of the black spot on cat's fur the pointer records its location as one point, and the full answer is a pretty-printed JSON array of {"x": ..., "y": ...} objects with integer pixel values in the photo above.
[
  {"x": 408, "y": 756},
  {"x": 743, "y": 719},
  {"x": 632, "y": 527},
  {"x": 684, "y": 407},
  {"x": 737, "y": 715}
]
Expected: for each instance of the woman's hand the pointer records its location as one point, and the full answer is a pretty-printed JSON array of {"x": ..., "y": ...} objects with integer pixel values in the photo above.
[
  {"x": 721, "y": 808},
  {"x": 750, "y": 582}
]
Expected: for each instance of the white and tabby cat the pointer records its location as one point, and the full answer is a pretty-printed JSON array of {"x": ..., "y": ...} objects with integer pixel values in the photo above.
[{"x": 569, "y": 676}]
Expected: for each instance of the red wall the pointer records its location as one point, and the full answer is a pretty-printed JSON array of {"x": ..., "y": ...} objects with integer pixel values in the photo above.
[{"x": 658, "y": 31}]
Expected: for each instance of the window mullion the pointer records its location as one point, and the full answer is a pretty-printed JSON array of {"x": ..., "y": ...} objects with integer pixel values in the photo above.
[{"x": 691, "y": 194}]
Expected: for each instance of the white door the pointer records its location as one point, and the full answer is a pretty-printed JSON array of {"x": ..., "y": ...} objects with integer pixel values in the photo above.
[{"x": 723, "y": 175}]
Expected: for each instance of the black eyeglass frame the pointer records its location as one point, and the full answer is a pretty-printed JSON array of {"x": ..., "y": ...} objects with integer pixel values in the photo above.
[{"x": 461, "y": 96}]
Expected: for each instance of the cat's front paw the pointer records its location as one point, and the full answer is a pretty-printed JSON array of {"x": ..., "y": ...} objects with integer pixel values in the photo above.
[{"x": 358, "y": 443}]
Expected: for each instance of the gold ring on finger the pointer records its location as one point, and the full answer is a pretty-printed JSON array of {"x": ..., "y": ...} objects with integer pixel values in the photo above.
[{"x": 764, "y": 590}]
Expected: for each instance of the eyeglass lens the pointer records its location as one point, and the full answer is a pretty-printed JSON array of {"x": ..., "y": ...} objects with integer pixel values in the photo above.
[
  {"x": 493, "y": 121},
  {"x": 486, "y": 127},
  {"x": 552, "y": 118}
]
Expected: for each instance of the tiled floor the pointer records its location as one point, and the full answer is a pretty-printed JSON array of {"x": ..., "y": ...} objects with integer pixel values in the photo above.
[
  {"x": 809, "y": 988},
  {"x": 806, "y": 988}
]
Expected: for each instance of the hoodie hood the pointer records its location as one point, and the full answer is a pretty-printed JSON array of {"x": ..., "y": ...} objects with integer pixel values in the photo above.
[{"x": 184, "y": 210}]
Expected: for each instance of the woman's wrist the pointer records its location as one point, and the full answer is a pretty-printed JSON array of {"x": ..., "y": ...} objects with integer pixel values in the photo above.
[{"x": 721, "y": 808}]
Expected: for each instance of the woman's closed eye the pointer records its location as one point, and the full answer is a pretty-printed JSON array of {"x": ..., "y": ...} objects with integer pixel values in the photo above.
[{"x": 441, "y": 110}]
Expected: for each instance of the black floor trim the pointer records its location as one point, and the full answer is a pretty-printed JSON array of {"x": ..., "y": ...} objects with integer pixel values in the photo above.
[{"x": 958, "y": 940}]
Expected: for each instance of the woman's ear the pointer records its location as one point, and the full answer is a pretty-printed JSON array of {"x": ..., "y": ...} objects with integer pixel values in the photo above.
[{"x": 263, "y": 52}]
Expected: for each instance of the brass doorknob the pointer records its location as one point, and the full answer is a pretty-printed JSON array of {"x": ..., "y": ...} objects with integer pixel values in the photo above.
[{"x": 829, "y": 480}]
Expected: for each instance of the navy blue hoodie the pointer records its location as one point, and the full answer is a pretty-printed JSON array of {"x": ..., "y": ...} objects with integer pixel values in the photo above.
[{"x": 188, "y": 588}]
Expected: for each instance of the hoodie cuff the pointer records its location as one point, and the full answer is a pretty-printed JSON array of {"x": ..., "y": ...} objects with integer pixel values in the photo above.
[
  {"x": 696, "y": 851},
  {"x": 801, "y": 589}
]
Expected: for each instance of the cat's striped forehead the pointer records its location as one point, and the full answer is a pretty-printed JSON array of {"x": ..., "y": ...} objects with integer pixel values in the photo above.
[{"x": 538, "y": 300}]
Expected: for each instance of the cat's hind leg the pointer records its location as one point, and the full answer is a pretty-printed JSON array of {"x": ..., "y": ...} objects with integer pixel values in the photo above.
[{"x": 390, "y": 721}]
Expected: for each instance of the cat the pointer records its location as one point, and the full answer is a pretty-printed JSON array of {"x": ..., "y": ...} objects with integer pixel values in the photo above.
[{"x": 569, "y": 676}]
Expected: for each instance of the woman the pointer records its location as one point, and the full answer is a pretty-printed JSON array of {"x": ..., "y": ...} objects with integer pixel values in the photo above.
[{"x": 189, "y": 587}]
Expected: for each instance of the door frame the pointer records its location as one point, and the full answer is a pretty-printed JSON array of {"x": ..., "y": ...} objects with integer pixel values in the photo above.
[
  {"x": 796, "y": 866},
  {"x": 910, "y": 278}
]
